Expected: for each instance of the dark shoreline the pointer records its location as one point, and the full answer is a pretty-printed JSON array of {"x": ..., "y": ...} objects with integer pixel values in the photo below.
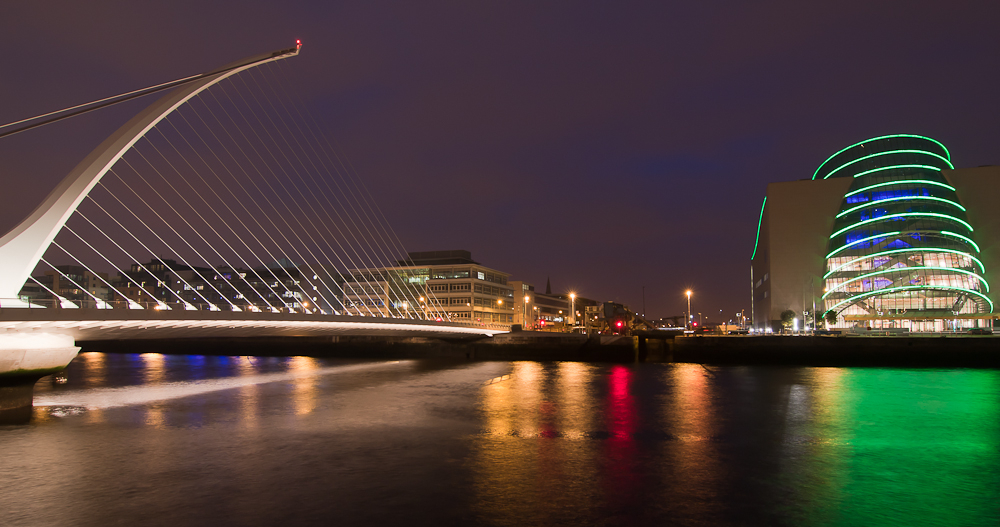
[{"x": 918, "y": 352}]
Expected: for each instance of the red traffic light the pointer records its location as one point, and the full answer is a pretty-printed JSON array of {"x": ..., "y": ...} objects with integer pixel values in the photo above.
[
  {"x": 695, "y": 324},
  {"x": 619, "y": 323}
]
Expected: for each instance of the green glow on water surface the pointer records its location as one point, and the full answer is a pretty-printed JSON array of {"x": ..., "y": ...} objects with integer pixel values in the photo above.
[{"x": 913, "y": 447}]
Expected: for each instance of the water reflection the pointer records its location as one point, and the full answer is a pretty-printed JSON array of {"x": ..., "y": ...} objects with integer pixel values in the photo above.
[
  {"x": 697, "y": 445},
  {"x": 691, "y": 470},
  {"x": 521, "y": 443},
  {"x": 305, "y": 391},
  {"x": 152, "y": 371}
]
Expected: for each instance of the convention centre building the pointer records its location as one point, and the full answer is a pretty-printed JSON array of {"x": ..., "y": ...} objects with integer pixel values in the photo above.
[{"x": 887, "y": 234}]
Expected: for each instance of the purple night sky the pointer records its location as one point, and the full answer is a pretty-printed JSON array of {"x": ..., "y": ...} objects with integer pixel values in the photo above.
[{"x": 609, "y": 146}]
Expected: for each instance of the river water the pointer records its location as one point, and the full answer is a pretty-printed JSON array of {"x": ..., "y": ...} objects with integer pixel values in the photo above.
[{"x": 191, "y": 440}]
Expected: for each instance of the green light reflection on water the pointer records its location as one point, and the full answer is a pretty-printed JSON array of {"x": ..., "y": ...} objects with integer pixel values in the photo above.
[{"x": 912, "y": 447}]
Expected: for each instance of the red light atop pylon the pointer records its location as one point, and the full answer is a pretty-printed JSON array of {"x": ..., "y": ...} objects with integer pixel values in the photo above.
[{"x": 298, "y": 44}]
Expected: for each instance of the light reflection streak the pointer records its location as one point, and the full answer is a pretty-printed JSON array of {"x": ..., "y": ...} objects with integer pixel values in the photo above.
[
  {"x": 535, "y": 451},
  {"x": 306, "y": 391},
  {"x": 693, "y": 470},
  {"x": 94, "y": 368},
  {"x": 152, "y": 368},
  {"x": 575, "y": 404},
  {"x": 249, "y": 395},
  {"x": 132, "y": 395},
  {"x": 619, "y": 474}
]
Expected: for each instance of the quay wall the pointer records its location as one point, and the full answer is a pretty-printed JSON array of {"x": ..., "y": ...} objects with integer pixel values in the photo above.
[
  {"x": 950, "y": 351},
  {"x": 910, "y": 351}
]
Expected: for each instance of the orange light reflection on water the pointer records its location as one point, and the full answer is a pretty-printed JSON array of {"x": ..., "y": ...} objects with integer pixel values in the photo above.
[{"x": 305, "y": 393}]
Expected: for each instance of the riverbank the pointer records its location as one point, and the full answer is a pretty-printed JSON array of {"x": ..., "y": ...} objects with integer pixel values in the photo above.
[{"x": 910, "y": 351}]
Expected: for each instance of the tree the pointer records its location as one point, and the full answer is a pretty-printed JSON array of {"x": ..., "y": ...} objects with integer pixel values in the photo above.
[
  {"x": 831, "y": 317},
  {"x": 786, "y": 318}
]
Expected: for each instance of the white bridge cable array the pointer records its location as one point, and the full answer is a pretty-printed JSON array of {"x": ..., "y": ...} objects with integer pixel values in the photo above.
[
  {"x": 394, "y": 244},
  {"x": 236, "y": 201},
  {"x": 353, "y": 214}
]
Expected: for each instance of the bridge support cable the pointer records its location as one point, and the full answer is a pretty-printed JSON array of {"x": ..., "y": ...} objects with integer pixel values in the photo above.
[
  {"x": 273, "y": 191},
  {"x": 212, "y": 305},
  {"x": 132, "y": 304},
  {"x": 100, "y": 304},
  {"x": 367, "y": 260},
  {"x": 354, "y": 215},
  {"x": 301, "y": 195},
  {"x": 225, "y": 204},
  {"x": 275, "y": 212},
  {"x": 379, "y": 217},
  {"x": 181, "y": 216},
  {"x": 128, "y": 300},
  {"x": 64, "y": 302},
  {"x": 222, "y": 296}
]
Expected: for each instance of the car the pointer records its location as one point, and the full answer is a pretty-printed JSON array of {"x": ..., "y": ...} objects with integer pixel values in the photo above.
[{"x": 980, "y": 331}]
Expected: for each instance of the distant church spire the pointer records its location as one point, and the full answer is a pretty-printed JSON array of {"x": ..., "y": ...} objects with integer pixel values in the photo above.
[{"x": 548, "y": 286}]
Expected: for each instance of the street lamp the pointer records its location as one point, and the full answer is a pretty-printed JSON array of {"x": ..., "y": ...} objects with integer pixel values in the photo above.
[
  {"x": 524, "y": 317},
  {"x": 689, "y": 307},
  {"x": 572, "y": 309}
]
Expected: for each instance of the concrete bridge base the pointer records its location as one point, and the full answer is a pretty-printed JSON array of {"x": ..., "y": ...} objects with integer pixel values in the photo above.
[{"x": 25, "y": 358}]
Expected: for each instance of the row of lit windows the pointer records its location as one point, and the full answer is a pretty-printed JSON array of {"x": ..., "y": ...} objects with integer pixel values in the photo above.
[
  {"x": 929, "y": 278},
  {"x": 903, "y": 259}
]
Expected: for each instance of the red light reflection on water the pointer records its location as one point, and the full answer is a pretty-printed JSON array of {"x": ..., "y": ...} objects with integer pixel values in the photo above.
[{"x": 620, "y": 449}]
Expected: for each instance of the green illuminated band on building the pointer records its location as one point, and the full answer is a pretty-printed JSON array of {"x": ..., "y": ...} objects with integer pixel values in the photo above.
[
  {"x": 963, "y": 238},
  {"x": 900, "y": 182},
  {"x": 908, "y": 136},
  {"x": 911, "y": 288},
  {"x": 890, "y": 152},
  {"x": 905, "y": 269},
  {"x": 759, "y": 221},
  {"x": 900, "y": 198},
  {"x": 897, "y": 251},
  {"x": 901, "y": 215},
  {"x": 894, "y": 167},
  {"x": 862, "y": 240}
]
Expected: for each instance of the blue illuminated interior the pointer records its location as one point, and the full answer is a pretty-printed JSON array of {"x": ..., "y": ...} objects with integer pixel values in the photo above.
[{"x": 886, "y": 194}]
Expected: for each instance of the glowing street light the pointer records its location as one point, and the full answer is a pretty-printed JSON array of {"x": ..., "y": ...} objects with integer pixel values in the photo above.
[
  {"x": 524, "y": 316},
  {"x": 572, "y": 309},
  {"x": 688, "y": 292}
]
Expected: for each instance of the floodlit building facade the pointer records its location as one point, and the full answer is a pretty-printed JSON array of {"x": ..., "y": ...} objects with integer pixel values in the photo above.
[
  {"x": 433, "y": 284},
  {"x": 886, "y": 234}
]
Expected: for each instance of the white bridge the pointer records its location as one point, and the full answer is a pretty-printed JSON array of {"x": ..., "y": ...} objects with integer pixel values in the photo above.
[{"x": 224, "y": 211}]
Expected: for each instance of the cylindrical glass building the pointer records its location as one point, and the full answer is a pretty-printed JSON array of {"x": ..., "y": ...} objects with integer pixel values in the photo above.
[{"x": 902, "y": 248}]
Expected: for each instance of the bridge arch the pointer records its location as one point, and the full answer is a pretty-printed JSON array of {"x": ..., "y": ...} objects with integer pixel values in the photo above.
[{"x": 24, "y": 245}]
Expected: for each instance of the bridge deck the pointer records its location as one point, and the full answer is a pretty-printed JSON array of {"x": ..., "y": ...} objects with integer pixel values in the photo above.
[{"x": 101, "y": 324}]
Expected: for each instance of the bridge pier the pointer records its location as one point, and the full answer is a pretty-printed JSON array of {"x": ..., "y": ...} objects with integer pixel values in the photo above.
[{"x": 25, "y": 358}]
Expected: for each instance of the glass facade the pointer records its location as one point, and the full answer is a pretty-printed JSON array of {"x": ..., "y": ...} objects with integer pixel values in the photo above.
[{"x": 902, "y": 248}]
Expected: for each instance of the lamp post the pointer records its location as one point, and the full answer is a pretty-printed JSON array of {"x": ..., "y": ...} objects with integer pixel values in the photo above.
[
  {"x": 524, "y": 317},
  {"x": 572, "y": 310},
  {"x": 687, "y": 321}
]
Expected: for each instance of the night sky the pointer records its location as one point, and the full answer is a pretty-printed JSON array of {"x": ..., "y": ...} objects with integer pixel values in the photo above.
[{"x": 609, "y": 145}]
